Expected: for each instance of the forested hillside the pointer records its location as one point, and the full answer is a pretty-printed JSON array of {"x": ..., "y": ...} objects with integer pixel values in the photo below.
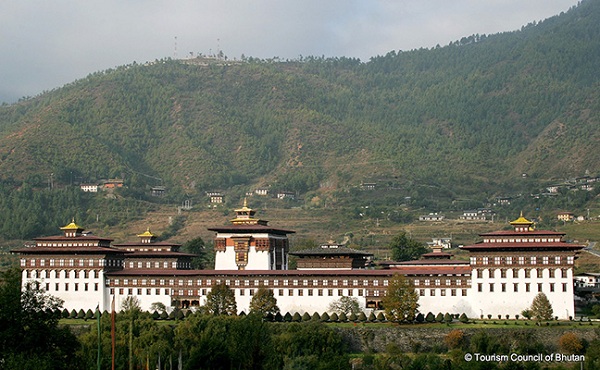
[{"x": 468, "y": 118}]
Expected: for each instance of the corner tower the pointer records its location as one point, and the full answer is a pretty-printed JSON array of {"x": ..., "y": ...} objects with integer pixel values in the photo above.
[{"x": 250, "y": 244}]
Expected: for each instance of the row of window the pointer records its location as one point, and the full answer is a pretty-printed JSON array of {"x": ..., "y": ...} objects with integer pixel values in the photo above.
[
  {"x": 526, "y": 273},
  {"x": 443, "y": 292},
  {"x": 85, "y": 287},
  {"x": 158, "y": 265},
  {"x": 250, "y": 292},
  {"x": 515, "y": 287},
  {"x": 70, "y": 244},
  {"x": 71, "y": 262},
  {"x": 267, "y": 283},
  {"x": 523, "y": 240},
  {"x": 61, "y": 274},
  {"x": 438, "y": 282},
  {"x": 521, "y": 260}
]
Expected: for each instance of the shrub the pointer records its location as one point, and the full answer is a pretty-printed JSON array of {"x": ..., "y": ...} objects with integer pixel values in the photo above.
[
  {"x": 296, "y": 317},
  {"x": 325, "y": 317},
  {"x": 362, "y": 317},
  {"x": 278, "y": 317},
  {"x": 455, "y": 339},
  {"x": 420, "y": 317},
  {"x": 334, "y": 317},
  {"x": 89, "y": 314},
  {"x": 343, "y": 317},
  {"x": 287, "y": 317},
  {"x": 81, "y": 314},
  {"x": 463, "y": 318},
  {"x": 65, "y": 313},
  {"x": 447, "y": 318},
  {"x": 306, "y": 317},
  {"x": 439, "y": 317},
  {"x": 380, "y": 317},
  {"x": 372, "y": 317},
  {"x": 164, "y": 315},
  {"x": 352, "y": 317},
  {"x": 155, "y": 315},
  {"x": 430, "y": 317},
  {"x": 316, "y": 316}
]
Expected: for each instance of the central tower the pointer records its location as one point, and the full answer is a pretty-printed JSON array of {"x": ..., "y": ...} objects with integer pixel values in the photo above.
[{"x": 250, "y": 244}]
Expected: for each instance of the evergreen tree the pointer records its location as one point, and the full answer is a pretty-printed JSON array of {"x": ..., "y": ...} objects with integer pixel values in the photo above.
[
  {"x": 221, "y": 301},
  {"x": 264, "y": 302},
  {"x": 541, "y": 309},
  {"x": 401, "y": 300}
]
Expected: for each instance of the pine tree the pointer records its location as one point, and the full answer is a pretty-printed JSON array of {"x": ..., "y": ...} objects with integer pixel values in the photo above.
[
  {"x": 541, "y": 309},
  {"x": 401, "y": 300}
]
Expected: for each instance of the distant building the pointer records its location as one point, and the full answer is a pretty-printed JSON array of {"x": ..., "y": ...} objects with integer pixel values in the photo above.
[
  {"x": 565, "y": 216},
  {"x": 432, "y": 217},
  {"x": 215, "y": 197},
  {"x": 473, "y": 215},
  {"x": 368, "y": 185},
  {"x": 262, "y": 191},
  {"x": 587, "y": 280},
  {"x": 158, "y": 191},
  {"x": 286, "y": 195},
  {"x": 440, "y": 242},
  {"x": 113, "y": 183},
  {"x": 89, "y": 188}
]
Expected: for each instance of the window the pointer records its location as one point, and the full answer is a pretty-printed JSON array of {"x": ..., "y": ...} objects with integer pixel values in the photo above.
[
  {"x": 509, "y": 260},
  {"x": 527, "y": 273},
  {"x": 515, "y": 287},
  {"x": 422, "y": 292},
  {"x": 539, "y": 287},
  {"x": 320, "y": 292},
  {"x": 545, "y": 260},
  {"x": 527, "y": 287},
  {"x": 437, "y": 282},
  {"x": 570, "y": 260},
  {"x": 330, "y": 292},
  {"x": 503, "y": 286},
  {"x": 557, "y": 260},
  {"x": 533, "y": 260},
  {"x": 497, "y": 260},
  {"x": 503, "y": 273},
  {"x": 76, "y": 287},
  {"x": 564, "y": 287},
  {"x": 521, "y": 260},
  {"x": 442, "y": 292},
  {"x": 479, "y": 287},
  {"x": 491, "y": 287},
  {"x": 290, "y": 292},
  {"x": 551, "y": 273},
  {"x": 432, "y": 292},
  {"x": 551, "y": 287},
  {"x": 485, "y": 260},
  {"x": 310, "y": 292},
  {"x": 453, "y": 292}
]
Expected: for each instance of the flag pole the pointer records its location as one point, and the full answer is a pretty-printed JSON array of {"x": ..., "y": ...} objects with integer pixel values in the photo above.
[
  {"x": 112, "y": 331},
  {"x": 99, "y": 359}
]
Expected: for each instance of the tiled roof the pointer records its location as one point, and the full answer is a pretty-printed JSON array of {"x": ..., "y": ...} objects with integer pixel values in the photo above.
[{"x": 517, "y": 246}]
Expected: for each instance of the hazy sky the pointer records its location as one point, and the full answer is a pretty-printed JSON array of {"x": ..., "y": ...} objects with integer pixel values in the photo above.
[{"x": 45, "y": 44}]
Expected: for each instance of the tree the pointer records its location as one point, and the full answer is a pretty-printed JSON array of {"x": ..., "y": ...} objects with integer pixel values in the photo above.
[
  {"x": 570, "y": 343},
  {"x": 29, "y": 333},
  {"x": 264, "y": 302},
  {"x": 404, "y": 248},
  {"x": 541, "y": 309},
  {"x": 158, "y": 306},
  {"x": 401, "y": 300},
  {"x": 198, "y": 247},
  {"x": 221, "y": 301},
  {"x": 346, "y": 305}
]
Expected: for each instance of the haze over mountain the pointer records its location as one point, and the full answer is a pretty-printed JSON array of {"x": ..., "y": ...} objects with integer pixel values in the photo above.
[{"x": 468, "y": 118}]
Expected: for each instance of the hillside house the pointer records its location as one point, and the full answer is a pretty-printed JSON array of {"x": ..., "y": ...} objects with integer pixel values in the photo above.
[
  {"x": 89, "y": 188},
  {"x": 432, "y": 217}
]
